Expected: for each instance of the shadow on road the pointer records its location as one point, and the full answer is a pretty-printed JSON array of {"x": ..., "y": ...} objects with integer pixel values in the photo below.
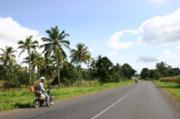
[{"x": 26, "y": 105}]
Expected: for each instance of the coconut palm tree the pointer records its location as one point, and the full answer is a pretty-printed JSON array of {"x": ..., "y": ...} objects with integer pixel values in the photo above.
[
  {"x": 161, "y": 65},
  {"x": 8, "y": 57},
  {"x": 28, "y": 45},
  {"x": 93, "y": 69},
  {"x": 54, "y": 46},
  {"x": 1, "y": 59},
  {"x": 36, "y": 62},
  {"x": 8, "y": 61},
  {"x": 80, "y": 55}
]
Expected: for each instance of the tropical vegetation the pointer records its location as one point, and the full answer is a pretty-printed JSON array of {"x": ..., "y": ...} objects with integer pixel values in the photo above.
[
  {"x": 162, "y": 70},
  {"x": 52, "y": 57}
]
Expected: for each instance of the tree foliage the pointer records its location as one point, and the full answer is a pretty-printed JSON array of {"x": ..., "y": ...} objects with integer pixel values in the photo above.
[
  {"x": 107, "y": 72},
  {"x": 80, "y": 55},
  {"x": 161, "y": 70},
  {"x": 54, "y": 46},
  {"x": 28, "y": 45},
  {"x": 127, "y": 71},
  {"x": 53, "y": 63}
]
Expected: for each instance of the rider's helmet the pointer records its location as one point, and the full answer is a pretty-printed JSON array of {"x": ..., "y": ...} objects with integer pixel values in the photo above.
[{"x": 42, "y": 79}]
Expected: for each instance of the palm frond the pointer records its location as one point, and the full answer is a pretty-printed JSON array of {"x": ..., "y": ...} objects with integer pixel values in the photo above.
[
  {"x": 21, "y": 52},
  {"x": 20, "y": 42}
]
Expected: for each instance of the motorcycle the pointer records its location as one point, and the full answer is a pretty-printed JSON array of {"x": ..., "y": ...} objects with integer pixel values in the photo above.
[
  {"x": 136, "y": 81},
  {"x": 40, "y": 99}
]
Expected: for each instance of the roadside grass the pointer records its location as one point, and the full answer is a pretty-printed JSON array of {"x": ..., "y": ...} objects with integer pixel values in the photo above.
[
  {"x": 21, "y": 98},
  {"x": 171, "y": 87}
]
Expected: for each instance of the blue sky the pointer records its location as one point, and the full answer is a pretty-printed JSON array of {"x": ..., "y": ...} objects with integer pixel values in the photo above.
[{"x": 101, "y": 24}]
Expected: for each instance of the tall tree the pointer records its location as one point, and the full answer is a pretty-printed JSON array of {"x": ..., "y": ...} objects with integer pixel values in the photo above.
[
  {"x": 36, "y": 62},
  {"x": 8, "y": 57},
  {"x": 93, "y": 69},
  {"x": 54, "y": 46},
  {"x": 145, "y": 73},
  {"x": 127, "y": 71},
  {"x": 28, "y": 45},
  {"x": 163, "y": 68},
  {"x": 80, "y": 55},
  {"x": 103, "y": 66},
  {"x": 8, "y": 60}
]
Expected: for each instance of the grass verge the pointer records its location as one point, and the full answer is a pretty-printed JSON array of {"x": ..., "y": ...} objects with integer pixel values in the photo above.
[
  {"x": 21, "y": 98},
  {"x": 171, "y": 87}
]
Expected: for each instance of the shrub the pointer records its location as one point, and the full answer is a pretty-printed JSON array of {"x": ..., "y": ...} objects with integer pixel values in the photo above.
[{"x": 171, "y": 79}]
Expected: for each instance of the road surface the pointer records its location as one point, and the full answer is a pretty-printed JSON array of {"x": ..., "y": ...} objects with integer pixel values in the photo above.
[{"x": 138, "y": 101}]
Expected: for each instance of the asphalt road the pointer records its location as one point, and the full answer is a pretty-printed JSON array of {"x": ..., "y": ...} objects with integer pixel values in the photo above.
[{"x": 139, "y": 101}]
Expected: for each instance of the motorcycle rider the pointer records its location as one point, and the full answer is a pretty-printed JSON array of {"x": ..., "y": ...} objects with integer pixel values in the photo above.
[{"x": 42, "y": 90}]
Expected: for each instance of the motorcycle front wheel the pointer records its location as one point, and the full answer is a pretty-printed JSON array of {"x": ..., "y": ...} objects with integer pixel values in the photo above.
[
  {"x": 36, "y": 104},
  {"x": 51, "y": 101}
]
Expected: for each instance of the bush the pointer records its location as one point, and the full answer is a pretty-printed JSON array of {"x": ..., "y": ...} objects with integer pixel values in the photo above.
[
  {"x": 68, "y": 75},
  {"x": 12, "y": 84}
]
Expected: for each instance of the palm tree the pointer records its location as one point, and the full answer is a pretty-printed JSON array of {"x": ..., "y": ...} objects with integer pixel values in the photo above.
[
  {"x": 1, "y": 59},
  {"x": 80, "y": 55},
  {"x": 160, "y": 65},
  {"x": 54, "y": 47},
  {"x": 8, "y": 57},
  {"x": 28, "y": 45},
  {"x": 163, "y": 68},
  {"x": 8, "y": 60},
  {"x": 89, "y": 60},
  {"x": 36, "y": 62}
]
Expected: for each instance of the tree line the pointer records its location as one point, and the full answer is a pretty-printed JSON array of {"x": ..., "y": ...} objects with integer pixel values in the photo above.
[
  {"x": 161, "y": 70},
  {"x": 53, "y": 63}
]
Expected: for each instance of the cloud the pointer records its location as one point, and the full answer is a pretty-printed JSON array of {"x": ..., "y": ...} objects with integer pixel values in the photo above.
[
  {"x": 156, "y": 2},
  {"x": 11, "y": 32},
  {"x": 158, "y": 30},
  {"x": 114, "y": 42},
  {"x": 171, "y": 57},
  {"x": 161, "y": 29},
  {"x": 146, "y": 59}
]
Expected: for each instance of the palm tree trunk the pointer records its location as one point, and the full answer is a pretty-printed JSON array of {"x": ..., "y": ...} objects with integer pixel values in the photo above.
[
  {"x": 79, "y": 73},
  {"x": 29, "y": 73},
  {"x": 29, "y": 67},
  {"x": 59, "y": 77},
  {"x": 89, "y": 73},
  {"x": 8, "y": 79},
  {"x": 58, "y": 68},
  {"x": 33, "y": 75},
  {"x": 48, "y": 83}
]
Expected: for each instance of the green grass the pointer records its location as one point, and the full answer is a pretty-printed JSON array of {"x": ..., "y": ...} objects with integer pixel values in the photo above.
[
  {"x": 171, "y": 87},
  {"x": 21, "y": 98}
]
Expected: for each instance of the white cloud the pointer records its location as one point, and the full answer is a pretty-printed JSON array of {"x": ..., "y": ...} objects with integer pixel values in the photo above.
[
  {"x": 146, "y": 59},
  {"x": 161, "y": 29},
  {"x": 171, "y": 57},
  {"x": 157, "y": 2},
  {"x": 114, "y": 40},
  {"x": 11, "y": 32}
]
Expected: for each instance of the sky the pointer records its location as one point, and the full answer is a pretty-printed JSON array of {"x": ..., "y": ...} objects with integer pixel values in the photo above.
[{"x": 141, "y": 32}]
